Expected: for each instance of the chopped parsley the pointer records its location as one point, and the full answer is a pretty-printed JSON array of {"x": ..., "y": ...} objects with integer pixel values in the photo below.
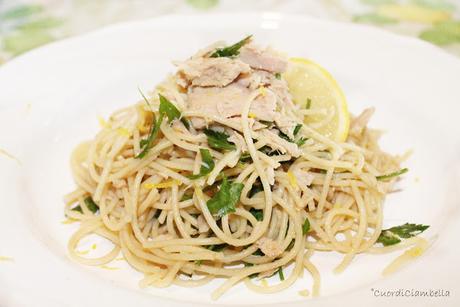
[
  {"x": 224, "y": 201},
  {"x": 90, "y": 204},
  {"x": 207, "y": 164},
  {"x": 297, "y": 129},
  {"x": 166, "y": 109},
  {"x": 218, "y": 140},
  {"x": 394, "y": 234},
  {"x": 394, "y": 174},
  {"x": 257, "y": 213},
  {"x": 306, "y": 226},
  {"x": 232, "y": 50}
]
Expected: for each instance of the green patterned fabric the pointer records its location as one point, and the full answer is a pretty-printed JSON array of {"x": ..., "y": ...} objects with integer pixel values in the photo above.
[{"x": 27, "y": 24}]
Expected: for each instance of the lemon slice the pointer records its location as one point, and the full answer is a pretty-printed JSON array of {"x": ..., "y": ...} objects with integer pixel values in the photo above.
[{"x": 309, "y": 81}]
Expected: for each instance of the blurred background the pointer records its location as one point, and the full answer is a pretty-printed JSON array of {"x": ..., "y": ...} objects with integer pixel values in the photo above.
[{"x": 27, "y": 24}]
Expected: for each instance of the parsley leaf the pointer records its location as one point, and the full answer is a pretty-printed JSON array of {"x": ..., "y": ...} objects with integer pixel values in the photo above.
[
  {"x": 394, "y": 234},
  {"x": 147, "y": 143},
  {"x": 218, "y": 140},
  {"x": 394, "y": 174},
  {"x": 217, "y": 247},
  {"x": 257, "y": 213},
  {"x": 298, "y": 142},
  {"x": 297, "y": 129},
  {"x": 166, "y": 107},
  {"x": 308, "y": 105},
  {"x": 301, "y": 141},
  {"x": 281, "y": 273},
  {"x": 231, "y": 51},
  {"x": 225, "y": 199},
  {"x": 207, "y": 164},
  {"x": 245, "y": 157},
  {"x": 90, "y": 204},
  {"x": 247, "y": 264},
  {"x": 278, "y": 76},
  {"x": 306, "y": 226}
]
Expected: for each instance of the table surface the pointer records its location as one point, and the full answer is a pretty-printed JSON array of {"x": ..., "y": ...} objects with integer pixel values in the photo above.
[{"x": 27, "y": 24}]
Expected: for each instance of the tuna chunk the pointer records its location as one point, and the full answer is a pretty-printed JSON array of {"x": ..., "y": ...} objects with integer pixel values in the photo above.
[
  {"x": 229, "y": 101},
  {"x": 269, "y": 247},
  {"x": 256, "y": 79},
  {"x": 264, "y": 59},
  {"x": 217, "y": 72},
  {"x": 218, "y": 101}
]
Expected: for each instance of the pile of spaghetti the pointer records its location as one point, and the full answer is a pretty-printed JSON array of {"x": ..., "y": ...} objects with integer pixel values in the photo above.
[{"x": 216, "y": 175}]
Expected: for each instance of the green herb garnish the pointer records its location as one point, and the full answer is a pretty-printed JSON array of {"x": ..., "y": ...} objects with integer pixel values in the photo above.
[
  {"x": 298, "y": 142},
  {"x": 394, "y": 174},
  {"x": 301, "y": 141},
  {"x": 245, "y": 157},
  {"x": 217, "y": 247},
  {"x": 258, "y": 252},
  {"x": 154, "y": 130},
  {"x": 281, "y": 273},
  {"x": 186, "y": 197},
  {"x": 257, "y": 213},
  {"x": 231, "y": 51},
  {"x": 218, "y": 140},
  {"x": 308, "y": 105},
  {"x": 394, "y": 234},
  {"x": 269, "y": 151},
  {"x": 278, "y": 76},
  {"x": 306, "y": 226},
  {"x": 207, "y": 164},
  {"x": 166, "y": 107},
  {"x": 291, "y": 245},
  {"x": 297, "y": 129},
  {"x": 224, "y": 201},
  {"x": 284, "y": 136},
  {"x": 253, "y": 275},
  {"x": 90, "y": 204},
  {"x": 186, "y": 122}
]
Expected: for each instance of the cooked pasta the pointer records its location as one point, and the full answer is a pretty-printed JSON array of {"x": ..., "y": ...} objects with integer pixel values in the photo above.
[{"x": 204, "y": 180}]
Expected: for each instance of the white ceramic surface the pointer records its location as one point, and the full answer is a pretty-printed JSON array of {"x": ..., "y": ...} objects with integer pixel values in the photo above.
[{"x": 50, "y": 99}]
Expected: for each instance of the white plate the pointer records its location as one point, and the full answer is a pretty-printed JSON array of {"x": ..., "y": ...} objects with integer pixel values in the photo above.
[{"x": 50, "y": 99}]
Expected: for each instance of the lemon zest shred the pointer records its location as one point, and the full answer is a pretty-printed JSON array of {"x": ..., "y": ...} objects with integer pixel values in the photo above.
[
  {"x": 7, "y": 154},
  {"x": 408, "y": 255},
  {"x": 94, "y": 246},
  {"x": 162, "y": 185},
  {"x": 82, "y": 252},
  {"x": 124, "y": 132},
  {"x": 262, "y": 91},
  {"x": 304, "y": 292},
  {"x": 68, "y": 221},
  {"x": 103, "y": 123},
  {"x": 292, "y": 179},
  {"x": 264, "y": 283},
  {"x": 5, "y": 258},
  {"x": 251, "y": 115}
]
